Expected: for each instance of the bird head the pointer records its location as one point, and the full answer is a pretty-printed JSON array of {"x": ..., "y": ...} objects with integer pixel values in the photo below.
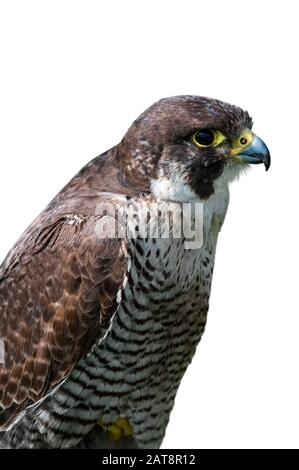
[{"x": 183, "y": 146}]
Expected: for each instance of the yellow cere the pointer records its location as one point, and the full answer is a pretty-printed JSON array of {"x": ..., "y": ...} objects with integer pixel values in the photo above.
[{"x": 242, "y": 142}]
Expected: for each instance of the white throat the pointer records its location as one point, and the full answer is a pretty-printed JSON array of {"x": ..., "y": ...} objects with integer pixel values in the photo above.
[{"x": 177, "y": 190}]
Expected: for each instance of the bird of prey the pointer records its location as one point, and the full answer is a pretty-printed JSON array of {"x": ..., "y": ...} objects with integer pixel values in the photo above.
[{"x": 96, "y": 331}]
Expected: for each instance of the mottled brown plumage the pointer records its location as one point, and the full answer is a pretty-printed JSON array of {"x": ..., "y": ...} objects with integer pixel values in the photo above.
[{"x": 58, "y": 292}]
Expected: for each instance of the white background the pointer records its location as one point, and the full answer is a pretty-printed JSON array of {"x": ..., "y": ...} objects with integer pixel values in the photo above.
[{"x": 75, "y": 74}]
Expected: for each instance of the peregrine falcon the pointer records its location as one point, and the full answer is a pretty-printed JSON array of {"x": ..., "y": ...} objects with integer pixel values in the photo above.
[{"x": 97, "y": 331}]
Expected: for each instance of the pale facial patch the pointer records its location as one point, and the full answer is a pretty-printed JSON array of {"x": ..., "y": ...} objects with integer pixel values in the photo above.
[{"x": 173, "y": 190}]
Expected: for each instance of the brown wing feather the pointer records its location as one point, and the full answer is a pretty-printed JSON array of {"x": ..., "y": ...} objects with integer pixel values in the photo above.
[{"x": 58, "y": 292}]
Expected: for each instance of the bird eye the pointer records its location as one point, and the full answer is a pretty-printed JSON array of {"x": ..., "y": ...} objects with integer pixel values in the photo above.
[
  {"x": 207, "y": 137},
  {"x": 203, "y": 138}
]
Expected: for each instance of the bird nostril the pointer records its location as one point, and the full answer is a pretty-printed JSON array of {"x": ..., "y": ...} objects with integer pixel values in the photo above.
[{"x": 243, "y": 141}]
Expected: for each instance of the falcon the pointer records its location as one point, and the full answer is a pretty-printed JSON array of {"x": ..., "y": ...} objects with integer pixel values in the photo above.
[{"x": 97, "y": 328}]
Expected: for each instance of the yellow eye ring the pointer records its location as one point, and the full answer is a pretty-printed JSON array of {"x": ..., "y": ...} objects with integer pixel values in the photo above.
[{"x": 204, "y": 138}]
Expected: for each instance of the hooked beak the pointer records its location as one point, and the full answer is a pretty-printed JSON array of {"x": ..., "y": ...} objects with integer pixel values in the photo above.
[{"x": 256, "y": 152}]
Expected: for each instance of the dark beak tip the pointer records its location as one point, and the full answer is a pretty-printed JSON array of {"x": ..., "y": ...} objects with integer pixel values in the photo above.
[{"x": 267, "y": 161}]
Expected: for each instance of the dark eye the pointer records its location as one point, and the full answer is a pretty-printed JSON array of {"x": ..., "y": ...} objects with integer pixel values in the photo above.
[
  {"x": 208, "y": 137},
  {"x": 203, "y": 138}
]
